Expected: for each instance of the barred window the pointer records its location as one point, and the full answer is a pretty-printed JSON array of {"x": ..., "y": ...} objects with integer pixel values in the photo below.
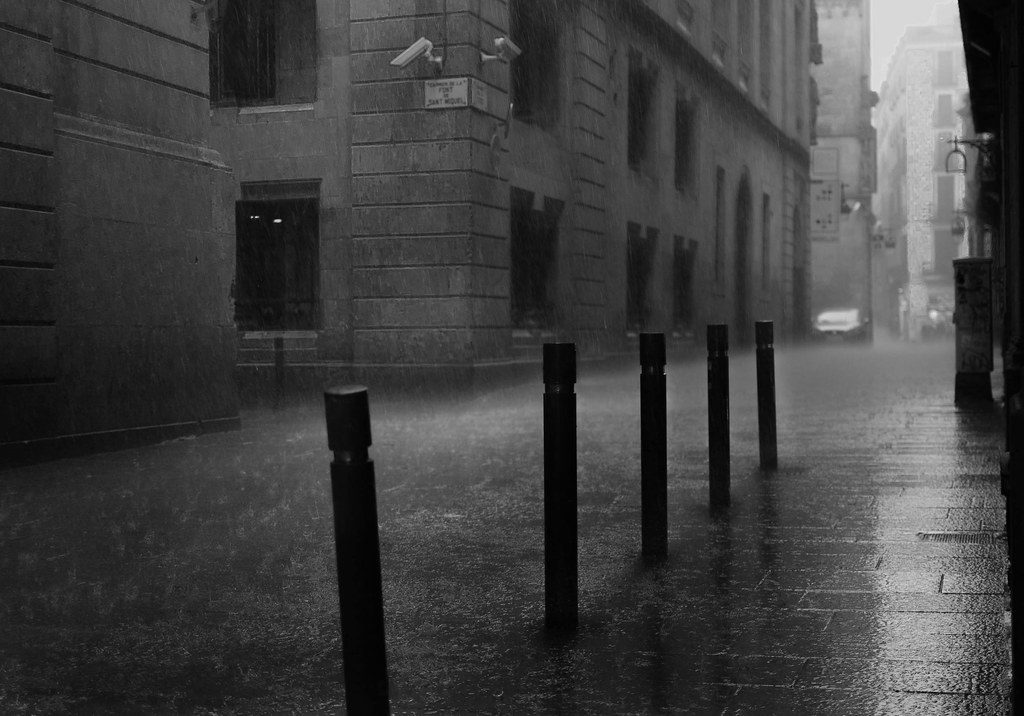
[{"x": 263, "y": 52}]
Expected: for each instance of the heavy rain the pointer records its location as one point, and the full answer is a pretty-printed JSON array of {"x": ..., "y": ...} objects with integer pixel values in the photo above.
[{"x": 511, "y": 356}]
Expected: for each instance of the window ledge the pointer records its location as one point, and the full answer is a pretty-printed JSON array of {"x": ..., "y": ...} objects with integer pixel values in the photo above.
[
  {"x": 643, "y": 174},
  {"x": 247, "y": 334},
  {"x": 276, "y": 108}
]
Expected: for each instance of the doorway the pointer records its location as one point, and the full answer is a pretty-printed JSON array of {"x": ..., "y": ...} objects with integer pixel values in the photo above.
[
  {"x": 741, "y": 290},
  {"x": 277, "y": 251}
]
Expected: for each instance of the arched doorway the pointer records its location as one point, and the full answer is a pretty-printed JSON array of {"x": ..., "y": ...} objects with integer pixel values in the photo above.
[
  {"x": 801, "y": 314},
  {"x": 741, "y": 289}
]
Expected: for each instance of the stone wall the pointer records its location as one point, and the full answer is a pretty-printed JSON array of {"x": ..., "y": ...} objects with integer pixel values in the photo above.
[
  {"x": 116, "y": 244},
  {"x": 429, "y": 210},
  {"x": 28, "y": 222}
]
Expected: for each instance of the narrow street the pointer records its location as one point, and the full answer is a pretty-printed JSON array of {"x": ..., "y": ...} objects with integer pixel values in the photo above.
[{"x": 865, "y": 576}]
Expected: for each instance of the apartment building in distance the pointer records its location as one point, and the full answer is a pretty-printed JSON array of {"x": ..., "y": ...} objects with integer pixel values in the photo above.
[
  {"x": 920, "y": 196},
  {"x": 844, "y": 262},
  {"x": 639, "y": 166}
]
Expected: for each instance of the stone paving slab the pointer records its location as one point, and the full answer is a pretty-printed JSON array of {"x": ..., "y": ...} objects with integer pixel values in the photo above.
[{"x": 197, "y": 576}]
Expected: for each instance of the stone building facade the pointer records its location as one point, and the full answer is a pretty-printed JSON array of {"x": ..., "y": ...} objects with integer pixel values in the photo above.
[
  {"x": 918, "y": 199},
  {"x": 843, "y": 260},
  {"x": 640, "y": 166},
  {"x": 116, "y": 234},
  {"x": 993, "y": 32}
]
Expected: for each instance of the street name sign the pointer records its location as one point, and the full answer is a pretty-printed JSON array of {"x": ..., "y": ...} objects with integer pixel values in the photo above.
[{"x": 453, "y": 92}]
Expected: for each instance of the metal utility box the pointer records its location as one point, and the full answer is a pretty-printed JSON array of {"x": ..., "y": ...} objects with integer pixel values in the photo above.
[{"x": 973, "y": 319}]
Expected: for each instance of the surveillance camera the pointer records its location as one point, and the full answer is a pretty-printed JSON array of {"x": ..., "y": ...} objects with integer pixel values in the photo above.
[
  {"x": 504, "y": 50},
  {"x": 505, "y": 47},
  {"x": 421, "y": 48}
]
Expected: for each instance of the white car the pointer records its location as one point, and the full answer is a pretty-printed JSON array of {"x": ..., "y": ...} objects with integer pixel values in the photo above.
[{"x": 841, "y": 324}]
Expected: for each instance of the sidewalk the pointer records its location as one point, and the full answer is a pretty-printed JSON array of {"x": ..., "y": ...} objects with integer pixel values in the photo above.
[{"x": 865, "y": 576}]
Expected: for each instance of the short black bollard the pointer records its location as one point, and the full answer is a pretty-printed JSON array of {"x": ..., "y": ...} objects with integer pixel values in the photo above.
[
  {"x": 358, "y": 551},
  {"x": 764, "y": 334},
  {"x": 561, "y": 578},
  {"x": 278, "y": 372},
  {"x": 718, "y": 414},
  {"x": 653, "y": 448}
]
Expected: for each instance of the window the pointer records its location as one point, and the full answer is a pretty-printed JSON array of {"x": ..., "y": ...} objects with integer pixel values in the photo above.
[
  {"x": 944, "y": 251},
  {"x": 533, "y": 252},
  {"x": 944, "y": 116},
  {"x": 801, "y": 312},
  {"x": 945, "y": 198},
  {"x": 684, "y": 15},
  {"x": 721, "y": 11},
  {"x": 766, "y": 241},
  {"x": 813, "y": 101},
  {"x": 684, "y": 256},
  {"x": 741, "y": 286},
  {"x": 765, "y": 59},
  {"x": 640, "y": 251},
  {"x": 719, "y": 222},
  {"x": 798, "y": 65},
  {"x": 277, "y": 257},
  {"x": 814, "y": 50},
  {"x": 684, "y": 147},
  {"x": 263, "y": 52},
  {"x": 535, "y": 78},
  {"x": 944, "y": 67},
  {"x": 640, "y": 134},
  {"x": 942, "y": 149},
  {"x": 745, "y": 39}
]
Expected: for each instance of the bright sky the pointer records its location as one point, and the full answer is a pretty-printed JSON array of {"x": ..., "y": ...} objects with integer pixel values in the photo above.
[{"x": 888, "y": 20}]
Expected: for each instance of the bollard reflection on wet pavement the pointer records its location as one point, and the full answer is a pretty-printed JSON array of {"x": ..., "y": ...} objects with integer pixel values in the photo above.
[{"x": 865, "y": 575}]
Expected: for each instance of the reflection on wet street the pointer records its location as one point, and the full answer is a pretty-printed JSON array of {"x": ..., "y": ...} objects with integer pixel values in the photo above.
[{"x": 864, "y": 576}]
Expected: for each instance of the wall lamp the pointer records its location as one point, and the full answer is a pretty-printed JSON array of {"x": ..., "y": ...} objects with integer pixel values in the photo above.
[
  {"x": 844, "y": 206},
  {"x": 983, "y": 144}
]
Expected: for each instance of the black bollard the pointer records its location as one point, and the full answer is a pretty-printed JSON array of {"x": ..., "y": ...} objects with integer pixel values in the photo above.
[
  {"x": 358, "y": 551},
  {"x": 561, "y": 579},
  {"x": 718, "y": 414},
  {"x": 653, "y": 448},
  {"x": 764, "y": 334},
  {"x": 278, "y": 372}
]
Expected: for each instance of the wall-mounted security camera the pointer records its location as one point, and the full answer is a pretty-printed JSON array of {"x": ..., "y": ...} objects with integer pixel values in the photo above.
[
  {"x": 504, "y": 50},
  {"x": 421, "y": 48},
  {"x": 507, "y": 48}
]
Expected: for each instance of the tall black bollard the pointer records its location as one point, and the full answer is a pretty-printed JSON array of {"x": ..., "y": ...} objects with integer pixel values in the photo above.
[
  {"x": 764, "y": 334},
  {"x": 561, "y": 579},
  {"x": 653, "y": 448},
  {"x": 718, "y": 414},
  {"x": 358, "y": 551}
]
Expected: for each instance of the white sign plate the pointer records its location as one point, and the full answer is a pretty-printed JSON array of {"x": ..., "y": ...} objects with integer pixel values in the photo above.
[
  {"x": 480, "y": 96},
  {"x": 442, "y": 94}
]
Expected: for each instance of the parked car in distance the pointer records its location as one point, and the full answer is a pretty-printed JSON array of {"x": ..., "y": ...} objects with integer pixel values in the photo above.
[{"x": 841, "y": 324}]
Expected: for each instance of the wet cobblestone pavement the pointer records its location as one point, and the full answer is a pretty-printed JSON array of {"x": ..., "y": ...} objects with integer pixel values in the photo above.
[{"x": 865, "y": 576}]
